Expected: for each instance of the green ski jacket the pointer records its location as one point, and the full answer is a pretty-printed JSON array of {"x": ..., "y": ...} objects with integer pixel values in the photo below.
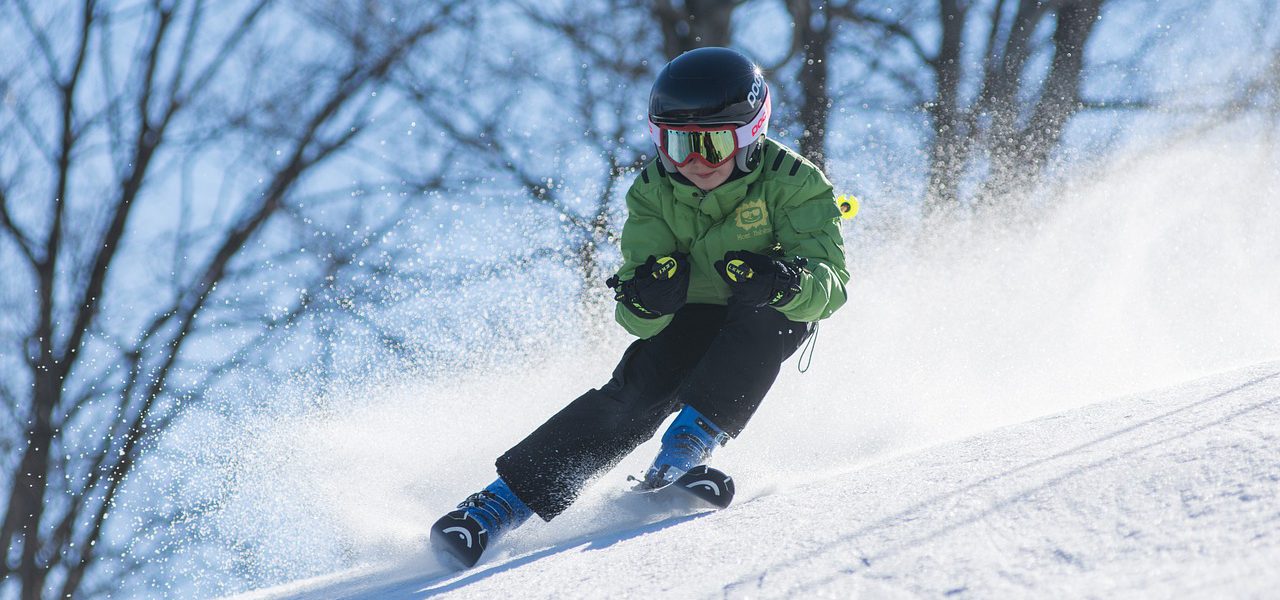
[{"x": 785, "y": 201}]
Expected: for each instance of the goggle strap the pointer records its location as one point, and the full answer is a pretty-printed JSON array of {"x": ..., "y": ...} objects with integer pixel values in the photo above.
[{"x": 759, "y": 126}]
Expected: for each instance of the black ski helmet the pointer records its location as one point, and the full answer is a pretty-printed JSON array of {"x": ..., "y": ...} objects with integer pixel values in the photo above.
[{"x": 713, "y": 86}]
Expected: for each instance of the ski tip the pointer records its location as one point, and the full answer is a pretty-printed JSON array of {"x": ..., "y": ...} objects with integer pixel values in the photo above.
[
  {"x": 709, "y": 485},
  {"x": 460, "y": 538}
]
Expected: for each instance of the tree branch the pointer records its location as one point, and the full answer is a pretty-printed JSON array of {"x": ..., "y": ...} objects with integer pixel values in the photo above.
[
  {"x": 489, "y": 144},
  {"x": 145, "y": 144},
  {"x": 10, "y": 404},
  {"x": 42, "y": 41},
  {"x": 1123, "y": 104},
  {"x": 238, "y": 32},
  {"x": 850, "y": 13},
  {"x": 19, "y": 238}
]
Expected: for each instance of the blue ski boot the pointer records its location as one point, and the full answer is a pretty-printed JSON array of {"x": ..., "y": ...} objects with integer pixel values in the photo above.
[
  {"x": 481, "y": 518},
  {"x": 687, "y": 443}
]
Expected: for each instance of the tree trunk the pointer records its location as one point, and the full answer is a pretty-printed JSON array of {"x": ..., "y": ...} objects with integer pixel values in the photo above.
[
  {"x": 26, "y": 503},
  {"x": 947, "y": 153},
  {"x": 1018, "y": 158},
  {"x": 813, "y": 26},
  {"x": 698, "y": 24}
]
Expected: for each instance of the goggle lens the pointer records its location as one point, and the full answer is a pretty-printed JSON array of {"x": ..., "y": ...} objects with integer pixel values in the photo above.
[{"x": 715, "y": 147}]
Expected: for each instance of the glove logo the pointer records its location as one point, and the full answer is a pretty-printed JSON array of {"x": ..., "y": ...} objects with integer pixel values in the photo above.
[
  {"x": 738, "y": 271},
  {"x": 752, "y": 215}
]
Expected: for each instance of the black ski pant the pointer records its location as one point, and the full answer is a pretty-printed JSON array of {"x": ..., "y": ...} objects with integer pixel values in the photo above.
[{"x": 721, "y": 360}]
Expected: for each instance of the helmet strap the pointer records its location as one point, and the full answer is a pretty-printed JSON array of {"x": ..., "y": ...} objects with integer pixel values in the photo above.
[{"x": 747, "y": 159}]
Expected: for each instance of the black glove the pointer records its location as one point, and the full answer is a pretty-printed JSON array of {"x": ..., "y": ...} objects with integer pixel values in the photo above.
[
  {"x": 659, "y": 287},
  {"x": 759, "y": 280}
]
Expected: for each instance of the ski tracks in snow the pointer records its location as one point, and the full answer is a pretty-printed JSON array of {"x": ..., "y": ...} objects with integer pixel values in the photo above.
[{"x": 1186, "y": 496}]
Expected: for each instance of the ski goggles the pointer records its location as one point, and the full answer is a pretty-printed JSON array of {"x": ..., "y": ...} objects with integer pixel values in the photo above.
[{"x": 714, "y": 145}]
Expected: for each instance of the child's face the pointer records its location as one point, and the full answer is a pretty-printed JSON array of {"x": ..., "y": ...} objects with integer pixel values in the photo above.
[{"x": 706, "y": 178}]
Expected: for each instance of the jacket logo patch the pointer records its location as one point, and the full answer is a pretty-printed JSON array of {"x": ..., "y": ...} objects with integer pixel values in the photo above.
[{"x": 751, "y": 215}]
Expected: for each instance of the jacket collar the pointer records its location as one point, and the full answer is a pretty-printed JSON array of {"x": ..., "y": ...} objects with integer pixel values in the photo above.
[{"x": 719, "y": 202}]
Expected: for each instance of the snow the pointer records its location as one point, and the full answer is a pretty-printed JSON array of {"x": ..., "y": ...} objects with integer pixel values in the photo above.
[{"x": 1174, "y": 492}]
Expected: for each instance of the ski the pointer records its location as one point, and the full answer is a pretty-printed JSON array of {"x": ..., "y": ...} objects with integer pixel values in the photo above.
[
  {"x": 460, "y": 536},
  {"x": 709, "y": 486}
]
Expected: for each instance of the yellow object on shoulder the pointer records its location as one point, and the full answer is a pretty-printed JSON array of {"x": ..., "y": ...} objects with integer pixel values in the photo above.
[{"x": 848, "y": 205}]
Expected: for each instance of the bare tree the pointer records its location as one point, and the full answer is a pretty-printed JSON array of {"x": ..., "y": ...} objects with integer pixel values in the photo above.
[
  {"x": 120, "y": 106},
  {"x": 694, "y": 24},
  {"x": 814, "y": 26},
  {"x": 1009, "y": 128},
  {"x": 573, "y": 169}
]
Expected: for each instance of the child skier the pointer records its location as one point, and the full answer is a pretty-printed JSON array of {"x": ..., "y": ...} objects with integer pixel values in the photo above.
[{"x": 731, "y": 251}]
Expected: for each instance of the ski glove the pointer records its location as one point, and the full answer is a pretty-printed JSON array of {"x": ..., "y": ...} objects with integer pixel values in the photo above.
[
  {"x": 659, "y": 287},
  {"x": 759, "y": 280}
]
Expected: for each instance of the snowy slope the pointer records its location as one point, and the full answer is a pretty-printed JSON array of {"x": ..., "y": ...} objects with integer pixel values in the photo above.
[{"x": 1167, "y": 493}]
